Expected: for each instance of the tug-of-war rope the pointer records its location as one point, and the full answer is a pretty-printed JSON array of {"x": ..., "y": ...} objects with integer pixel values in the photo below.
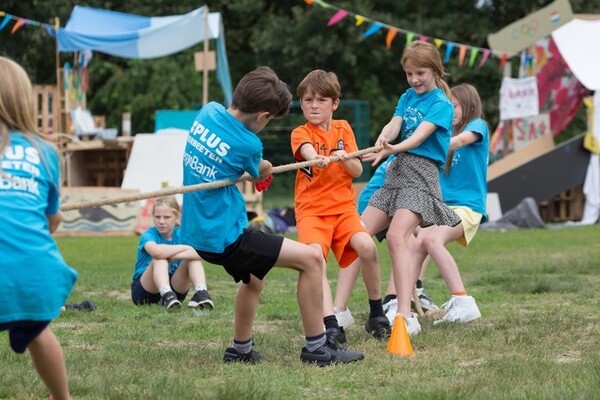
[
  {"x": 209, "y": 185},
  {"x": 218, "y": 184}
]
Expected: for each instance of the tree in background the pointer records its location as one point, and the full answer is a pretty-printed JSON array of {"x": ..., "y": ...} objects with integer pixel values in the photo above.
[{"x": 289, "y": 36}]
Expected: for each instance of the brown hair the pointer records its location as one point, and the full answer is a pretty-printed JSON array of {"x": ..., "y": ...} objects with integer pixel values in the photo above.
[
  {"x": 425, "y": 55},
  {"x": 468, "y": 98},
  {"x": 320, "y": 82},
  {"x": 261, "y": 90}
]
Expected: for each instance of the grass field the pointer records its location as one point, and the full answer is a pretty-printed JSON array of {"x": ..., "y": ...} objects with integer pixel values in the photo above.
[{"x": 538, "y": 338}]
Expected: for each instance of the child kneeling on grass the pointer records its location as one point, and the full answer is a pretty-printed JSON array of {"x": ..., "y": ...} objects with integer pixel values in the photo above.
[
  {"x": 164, "y": 267},
  {"x": 222, "y": 145}
]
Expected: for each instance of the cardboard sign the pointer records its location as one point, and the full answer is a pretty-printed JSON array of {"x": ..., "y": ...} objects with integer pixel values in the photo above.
[
  {"x": 526, "y": 130},
  {"x": 526, "y": 31},
  {"x": 518, "y": 98}
]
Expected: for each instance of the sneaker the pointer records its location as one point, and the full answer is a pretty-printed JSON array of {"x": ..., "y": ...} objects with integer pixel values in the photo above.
[
  {"x": 201, "y": 300},
  {"x": 232, "y": 355},
  {"x": 389, "y": 304},
  {"x": 169, "y": 300},
  {"x": 412, "y": 324},
  {"x": 344, "y": 318},
  {"x": 379, "y": 327},
  {"x": 329, "y": 354},
  {"x": 459, "y": 309},
  {"x": 426, "y": 303},
  {"x": 337, "y": 335},
  {"x": 413, "y": 327},
  {"x": 391, "y": 310}
]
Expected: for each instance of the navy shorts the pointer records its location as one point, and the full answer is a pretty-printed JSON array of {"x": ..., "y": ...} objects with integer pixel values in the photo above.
[
  {"x": 254, "y": 252},
  {"x": 21, "y": 333},
  {"x": 139, "y": 295}
]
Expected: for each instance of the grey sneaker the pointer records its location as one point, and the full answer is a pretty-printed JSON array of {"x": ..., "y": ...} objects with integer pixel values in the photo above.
[
  {"x": 169, "y": 300},
  {"x": 379, "y": 327},
  {"x": 329, "y": 354},
  {"x": 201, "y": 300},
  {"x": 232, "y": 355}
]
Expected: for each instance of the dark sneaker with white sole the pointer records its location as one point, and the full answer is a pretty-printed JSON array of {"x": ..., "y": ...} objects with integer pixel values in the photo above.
[
  {"x": 330, "y": 354},
  {"x": 232, "y": 355},
  {"x": 201, "y": 300},
  {"x": 170, "y": 301},
  {"x": 379, "y": 327}
]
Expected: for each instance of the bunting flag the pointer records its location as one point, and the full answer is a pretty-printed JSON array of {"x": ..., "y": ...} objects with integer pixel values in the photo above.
[
  {"x": 337, "y": 17},
  {"x": 20, "y": 22},
  {"x": 376, "y": 26},
  {"x": 390, "y": 37}
]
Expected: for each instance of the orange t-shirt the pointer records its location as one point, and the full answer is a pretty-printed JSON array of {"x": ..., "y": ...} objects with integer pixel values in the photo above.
[{"x": 326, "y": 191}]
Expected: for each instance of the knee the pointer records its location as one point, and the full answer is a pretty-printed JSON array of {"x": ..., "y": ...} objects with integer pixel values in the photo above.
[
  {"x": 396, "y": 242},
  {"x": 367, "y": 252}
]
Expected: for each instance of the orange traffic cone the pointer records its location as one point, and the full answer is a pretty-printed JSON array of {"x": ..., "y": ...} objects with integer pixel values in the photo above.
[{"x": 399, "y": 342}]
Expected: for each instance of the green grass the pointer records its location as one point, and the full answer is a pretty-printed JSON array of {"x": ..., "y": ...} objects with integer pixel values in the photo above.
[{"x": 538, "y": 337}]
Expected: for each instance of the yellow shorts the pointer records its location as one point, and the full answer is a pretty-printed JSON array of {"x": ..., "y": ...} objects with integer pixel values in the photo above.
[
  {"x": 332, "y": 231},
  {"x": 470, "y": 221}
]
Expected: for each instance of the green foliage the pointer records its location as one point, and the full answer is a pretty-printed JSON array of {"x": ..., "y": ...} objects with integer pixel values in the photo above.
[{"x": 288, "y": 35}]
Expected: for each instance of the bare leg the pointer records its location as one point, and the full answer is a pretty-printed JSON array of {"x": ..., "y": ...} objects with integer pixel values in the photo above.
[
  {"x": 398, "y": 238},
  {"x": 246, "y": 303},
  {"x": 155, "y": 276},
  {"x": 48, "y": 359},
  {"x": 309, "y": 263},
  {"x": 346, "y": 280},
  {"x": 367, "y": 254},
  {"x": 435, "y": 240},
  {"x": 188, "y": 271}
]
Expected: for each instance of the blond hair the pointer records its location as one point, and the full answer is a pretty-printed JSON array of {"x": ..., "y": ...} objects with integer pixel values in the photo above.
[
  {"x": 17, "y": 111},
  {"x": 425, "y": 55},
  {"x": 169, "y": 201}
]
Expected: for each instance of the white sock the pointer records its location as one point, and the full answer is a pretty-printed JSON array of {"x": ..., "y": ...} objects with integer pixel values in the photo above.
[
  {"x": 201, "y": 286},
  {"x": 165, "y": 289}
]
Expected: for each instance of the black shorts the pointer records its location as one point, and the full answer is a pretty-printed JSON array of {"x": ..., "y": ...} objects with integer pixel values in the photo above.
[
  {"x": 21, "y": 333},
  {"x": 381, "y": 235},
  {"x": 139, "y": 295},
  {"x": 254, "y": 252}
]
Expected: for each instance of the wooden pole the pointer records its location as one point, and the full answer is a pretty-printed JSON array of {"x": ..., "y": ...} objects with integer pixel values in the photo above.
[
  {"x": 205, "y": 64},
  {"x": 57, "y": 111}
]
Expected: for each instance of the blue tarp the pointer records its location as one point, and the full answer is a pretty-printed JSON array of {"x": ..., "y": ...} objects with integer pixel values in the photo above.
[{"x": 134, "y": 36}]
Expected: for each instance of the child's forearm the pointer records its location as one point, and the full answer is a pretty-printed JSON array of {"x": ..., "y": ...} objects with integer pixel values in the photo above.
[
  {"x": 187, "y": 254},
  {"x": 168, "y": 251}
]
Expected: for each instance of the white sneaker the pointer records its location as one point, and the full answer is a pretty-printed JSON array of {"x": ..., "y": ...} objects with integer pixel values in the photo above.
[
  {"x": 390, "y": 310},
  {"x": 460, "y": 309},
  {"x": 344, "y": 318},
  {"x": 412, "y": 325}
]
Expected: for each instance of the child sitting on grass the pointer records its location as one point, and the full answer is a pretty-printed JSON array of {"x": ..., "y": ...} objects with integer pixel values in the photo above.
[{"x": 165, "y": 268}]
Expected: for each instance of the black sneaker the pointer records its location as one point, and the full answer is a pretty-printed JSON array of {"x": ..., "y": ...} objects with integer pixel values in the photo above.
[
  {"x": 232, "y": 355},
  {"x": 201, "y": 300},
  {"x": 337, "y": 335},
  {"x": 379, "y": 327},
  {"x": 169, "y": 300},
  {"x": 329, "y": 354}
]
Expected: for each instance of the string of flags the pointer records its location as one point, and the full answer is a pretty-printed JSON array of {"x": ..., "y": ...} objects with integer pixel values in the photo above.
[
  {"x": 21, "y": 22},
  {"x": 392, "y": 32}
]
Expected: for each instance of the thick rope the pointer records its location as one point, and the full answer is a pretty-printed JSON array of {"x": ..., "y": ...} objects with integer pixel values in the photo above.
[{"x": 206, "y": 186}]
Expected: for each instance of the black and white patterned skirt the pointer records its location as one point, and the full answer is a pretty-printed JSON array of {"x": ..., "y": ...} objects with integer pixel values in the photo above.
[{"x": 412, "y": 183}]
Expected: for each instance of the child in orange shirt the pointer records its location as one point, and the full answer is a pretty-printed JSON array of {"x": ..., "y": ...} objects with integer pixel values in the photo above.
[{"x": 326, "y": 214}]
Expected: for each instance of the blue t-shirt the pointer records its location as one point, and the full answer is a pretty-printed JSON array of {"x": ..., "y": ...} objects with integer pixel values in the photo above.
[
  {"x": 374, "y": 184},
  {"x": 466, "y": 183},
  {"x": 143, "y": 259},
  {"x": 434, "y": 107},
  {"x": 35, "y": 280},
  {"x": 219, "y": 147}
]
